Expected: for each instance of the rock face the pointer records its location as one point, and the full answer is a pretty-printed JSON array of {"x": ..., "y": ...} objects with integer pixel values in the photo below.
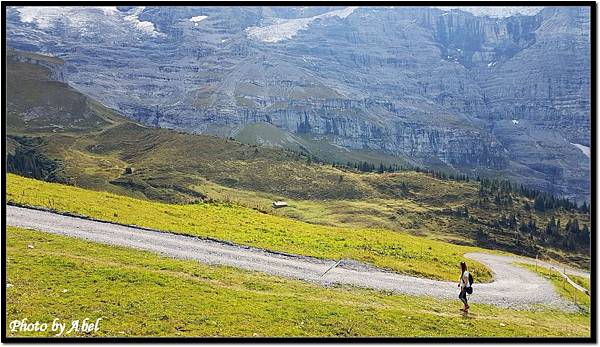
[
  {"x": 53, "y": 65},
  {"x": 484, "y": 95}
]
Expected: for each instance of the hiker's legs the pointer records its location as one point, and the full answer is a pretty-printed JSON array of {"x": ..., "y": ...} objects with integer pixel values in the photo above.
[{"x": 463, "y": 297}]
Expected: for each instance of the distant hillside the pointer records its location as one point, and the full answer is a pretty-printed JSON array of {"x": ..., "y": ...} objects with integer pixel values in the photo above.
[{"x": 58, "y": 134}]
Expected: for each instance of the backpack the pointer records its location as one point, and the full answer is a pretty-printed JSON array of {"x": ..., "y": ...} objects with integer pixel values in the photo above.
[{"x": 470, "y": 279}]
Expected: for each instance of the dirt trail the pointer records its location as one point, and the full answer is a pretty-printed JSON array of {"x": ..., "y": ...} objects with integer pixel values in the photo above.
[{"x": 513, "y": 286}]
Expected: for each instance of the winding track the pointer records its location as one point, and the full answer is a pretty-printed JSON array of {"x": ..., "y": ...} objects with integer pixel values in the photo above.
[{"x": 513, "y": 286}]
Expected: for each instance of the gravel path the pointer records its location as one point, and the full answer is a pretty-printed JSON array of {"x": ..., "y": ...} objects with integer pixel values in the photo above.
[{"x": 513, "y": 286}]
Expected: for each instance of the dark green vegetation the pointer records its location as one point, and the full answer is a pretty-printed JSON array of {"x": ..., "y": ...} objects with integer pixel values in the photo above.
[
  {"x": 143, "y": 294},
  {"x": 24, "y": 156},
  {"x": 91, "y": 146}
]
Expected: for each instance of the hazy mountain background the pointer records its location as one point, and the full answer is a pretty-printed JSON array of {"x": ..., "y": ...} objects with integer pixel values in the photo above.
[{"x": 499, "y": 92}]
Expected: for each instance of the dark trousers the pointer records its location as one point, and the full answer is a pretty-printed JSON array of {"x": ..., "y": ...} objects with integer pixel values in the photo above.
[{"x": 463, "y": 296}]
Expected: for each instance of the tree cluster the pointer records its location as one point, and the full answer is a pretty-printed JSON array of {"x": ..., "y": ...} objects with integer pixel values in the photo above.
[
  {"x": 28, "y": 161},
  {"x": 365, "y": 166},
  {"x": 502, "y": 191},
  {"x": 568, "y": 237}
]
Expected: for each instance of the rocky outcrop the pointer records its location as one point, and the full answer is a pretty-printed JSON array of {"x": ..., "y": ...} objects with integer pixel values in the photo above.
[{"x": 54, "y": 66}]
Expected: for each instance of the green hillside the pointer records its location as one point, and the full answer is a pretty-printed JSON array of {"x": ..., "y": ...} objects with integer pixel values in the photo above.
[{"x": 388, "y": 249}]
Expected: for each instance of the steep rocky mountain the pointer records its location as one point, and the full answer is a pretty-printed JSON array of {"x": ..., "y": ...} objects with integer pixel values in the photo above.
[{"x": 498, "y": 95}]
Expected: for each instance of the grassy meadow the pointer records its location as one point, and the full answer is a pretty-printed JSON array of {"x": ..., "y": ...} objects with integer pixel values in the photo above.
[
  {"x": 172, "y": 167},
  {"x": 393, "y": 250},
  {"x": 139, "y": 293}
]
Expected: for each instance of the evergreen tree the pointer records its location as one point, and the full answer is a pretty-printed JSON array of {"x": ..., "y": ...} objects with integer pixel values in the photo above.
[
  {"x": 584, "y": 236},
  {"x": 551, "y": 227},
  {"x": 539, "y": 203},
  {"x": 574, "y": 227}
]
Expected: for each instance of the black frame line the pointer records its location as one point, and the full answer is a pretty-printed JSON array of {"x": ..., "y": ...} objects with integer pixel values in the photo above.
[{"x": 219, "y": 340}]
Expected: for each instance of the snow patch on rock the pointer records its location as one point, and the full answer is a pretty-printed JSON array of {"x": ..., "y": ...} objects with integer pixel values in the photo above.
[
  {"x": 80, "y": 18},
  {"x": 495, "y": 11},
  {"x": 285, "y": 29},
  {"x": 584, "y": 149},
  {"x": 143, "y": 26},
  {"x": 45, "y": 17},
  {"x": 197, "y": 19}
]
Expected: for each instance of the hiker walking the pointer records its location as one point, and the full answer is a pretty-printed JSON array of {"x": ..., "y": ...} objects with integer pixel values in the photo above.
[{"x": 465, "y": 282}]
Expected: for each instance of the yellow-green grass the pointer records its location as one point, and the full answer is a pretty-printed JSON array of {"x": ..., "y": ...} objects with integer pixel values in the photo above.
[
  {"x": 582, "y": 281},
  {"x": 562, "y": 286},
  {"x": 419, "y": 213},
  {"x": 138, "y": 293},
  {"x": 384, "y": 248},
  {"x": 393, "y": 214}
]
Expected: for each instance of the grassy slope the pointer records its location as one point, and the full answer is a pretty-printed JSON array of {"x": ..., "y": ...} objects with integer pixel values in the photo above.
[
  {"x": 47, "y": 106},
  {"x": 582, "y": 281},
  {"x": 177, "y": 167},
  {"x": 141, "y": 294},
  {"x": 173, "y": 167},
  {"x": 394, "y": 250},
  {"x": 319, "y": 146}
]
